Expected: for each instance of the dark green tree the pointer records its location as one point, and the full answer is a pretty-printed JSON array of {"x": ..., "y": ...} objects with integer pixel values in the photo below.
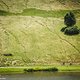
[{"x": 69, "y": 19}]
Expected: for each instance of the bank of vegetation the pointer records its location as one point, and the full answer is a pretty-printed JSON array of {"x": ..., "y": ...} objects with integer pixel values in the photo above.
[{"x": 17, "y": 70}]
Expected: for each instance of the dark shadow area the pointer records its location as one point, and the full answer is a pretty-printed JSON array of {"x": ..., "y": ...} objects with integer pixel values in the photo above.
[
  {"x": 37, "y": 70},
  {"x": 5, "y": 13},
  {"x": 8, "y": 54},
  {"x": 2, "y": 13},
  {"x": 63, "y": 29},
  {"x": 70, "y": 30}
]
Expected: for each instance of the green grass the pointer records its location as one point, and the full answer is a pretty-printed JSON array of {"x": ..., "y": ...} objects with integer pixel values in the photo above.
[
  {"x": 69, "y": 68},
  {"x": 5, "y": 13},
  {"x": 11, "y": 70},
  {"x": 18, "y": 6},
  {"x": 15, "y": 70},
  {"x": 44, "y": 13},
  {"x": 34, "y": 38},
  {"x": 41, "y": 13},
  {"x": 37, "y": 44}
]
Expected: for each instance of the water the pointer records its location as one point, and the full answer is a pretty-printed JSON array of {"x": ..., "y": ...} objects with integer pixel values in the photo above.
[{"x": 43, "y": 76}]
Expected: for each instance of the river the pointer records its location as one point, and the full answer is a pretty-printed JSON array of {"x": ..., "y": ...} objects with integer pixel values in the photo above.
[{"x": 42, "y": 76}]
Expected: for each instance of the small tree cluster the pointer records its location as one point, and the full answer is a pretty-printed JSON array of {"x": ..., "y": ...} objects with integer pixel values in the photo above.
[{"x": 70, "y": 21}]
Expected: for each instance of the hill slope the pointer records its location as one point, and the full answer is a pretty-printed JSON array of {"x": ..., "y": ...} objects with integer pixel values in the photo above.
[
  {"x": 20, "y": 5},
  {"x": 37, "y": 41},
  {"x": 33, "y": 37}
]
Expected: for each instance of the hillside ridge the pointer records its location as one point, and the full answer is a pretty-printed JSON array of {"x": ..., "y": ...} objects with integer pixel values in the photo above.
[{"x": 19, "y": 5}]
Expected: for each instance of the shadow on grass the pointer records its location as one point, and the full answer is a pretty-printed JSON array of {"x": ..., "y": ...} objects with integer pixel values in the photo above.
[
  {"x": 41, "y": 13},
  {"x": 70, "y": 30},
  {"x": 5, "y": 13}
]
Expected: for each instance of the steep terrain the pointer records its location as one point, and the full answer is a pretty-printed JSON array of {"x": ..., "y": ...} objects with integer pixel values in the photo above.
[
  {"x": 37, "y": 40},
  {"x": 33, "y": 36},
  {"x": 20, "y": 5}
]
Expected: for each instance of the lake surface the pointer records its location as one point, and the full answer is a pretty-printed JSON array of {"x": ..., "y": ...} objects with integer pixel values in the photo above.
[{"x": 43, "y": 76}]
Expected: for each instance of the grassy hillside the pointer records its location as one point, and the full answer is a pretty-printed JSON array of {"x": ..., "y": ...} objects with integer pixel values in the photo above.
[
  {"x": 41, "y": 13},
  {"x": 19, "y": 5},
  {"x": 37, "y": 41},
  {"x": 31, "y": 33}
]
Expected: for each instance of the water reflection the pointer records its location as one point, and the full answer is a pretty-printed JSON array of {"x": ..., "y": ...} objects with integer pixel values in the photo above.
[{"x": 43, "y": 76}]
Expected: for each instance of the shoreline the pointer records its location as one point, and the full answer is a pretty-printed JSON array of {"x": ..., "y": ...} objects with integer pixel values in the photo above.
[{"x": 22, "y": 70}]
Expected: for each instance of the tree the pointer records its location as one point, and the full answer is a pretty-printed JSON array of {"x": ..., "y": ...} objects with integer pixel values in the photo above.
[{"x": 69, "y": 19}]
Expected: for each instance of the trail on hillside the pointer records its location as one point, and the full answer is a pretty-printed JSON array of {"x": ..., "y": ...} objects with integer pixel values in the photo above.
[
  {"x": 32, "y": 34},
  {"x": 8, "y": 33},
  {"x": 4, "y": 4},
  {"x": 58, "y": 35}
]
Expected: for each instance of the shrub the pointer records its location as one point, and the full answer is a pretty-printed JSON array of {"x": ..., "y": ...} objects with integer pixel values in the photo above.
[
  {"x": 69, "y": 19},
  {"x": 51, "y": 69},
  {"x": 29, "y": 70},
  {"x": 46, "y": 69},
  {"x": 71, "y": 31},
  {"x": 8, "y": 54},
  {"x": 63, "y": 29}
]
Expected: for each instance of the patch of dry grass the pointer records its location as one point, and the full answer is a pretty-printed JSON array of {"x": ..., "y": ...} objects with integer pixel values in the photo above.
[{"x": 37, "y": 41}]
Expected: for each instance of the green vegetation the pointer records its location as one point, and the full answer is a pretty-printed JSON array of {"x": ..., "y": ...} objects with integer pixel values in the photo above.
[
  {"x": 53, "y": 69},
  {"x": 41, "y": 13},
  {"x": 30, "y": 39},
  {"x": 5, "y": 13},
  {"x": 44, "y": 13},
  {"x": 70, "y": 21},
  {"x": 69, "y": 68},
  {"x": 37, "y": 41},
  {"x": 19, "y": 5},
  {"x": 71, "y": 30},
  {"x": 15, "y": 70},
  {"x": 7, "y": 70}
]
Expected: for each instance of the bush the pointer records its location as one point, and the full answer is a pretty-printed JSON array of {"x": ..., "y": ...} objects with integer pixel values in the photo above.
[
  {"x": 63, "y": 29},
  {"x": 46, "y": 69},
  {"x": 69, "y": 19},
  {"x": 51, "y": 69},
  {"x": 71, "y": 31},
  {"x": 29, "y": 70}
]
